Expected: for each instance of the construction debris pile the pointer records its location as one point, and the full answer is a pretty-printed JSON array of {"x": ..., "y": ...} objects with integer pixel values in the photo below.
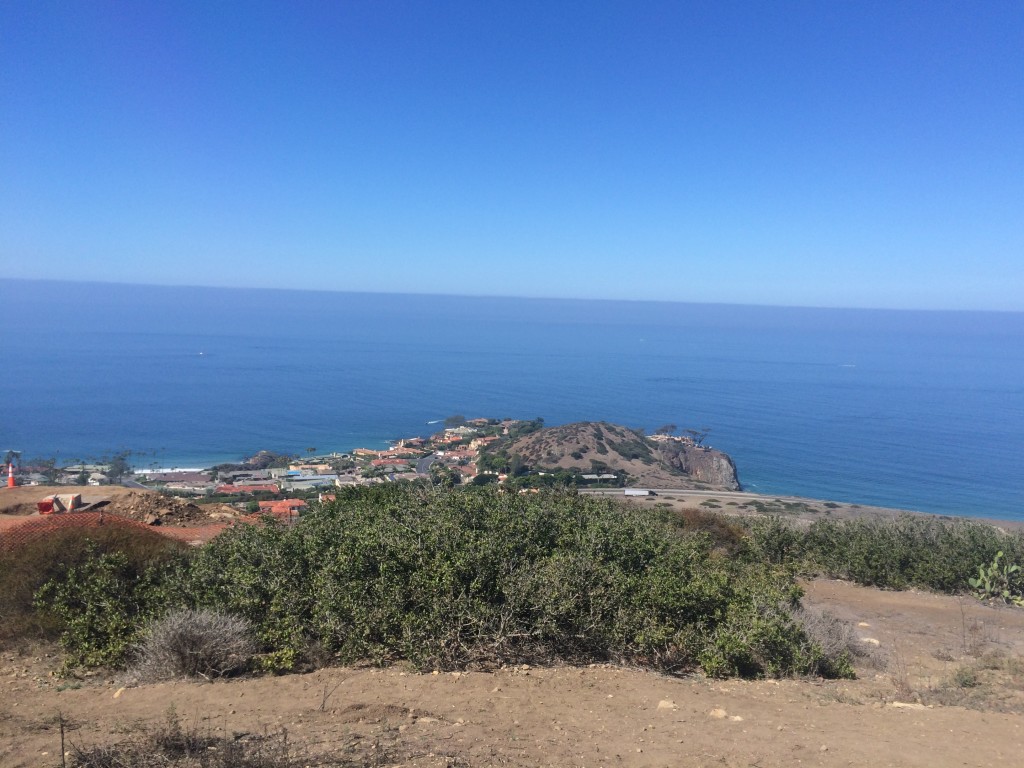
[{"x": 156, "y": 509}]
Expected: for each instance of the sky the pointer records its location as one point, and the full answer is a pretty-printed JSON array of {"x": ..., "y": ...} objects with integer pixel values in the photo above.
[{"x": 853, "y": 154}]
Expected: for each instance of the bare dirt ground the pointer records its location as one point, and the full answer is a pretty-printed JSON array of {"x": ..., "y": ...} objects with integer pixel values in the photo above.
[
  {"x": 22, "y": 500},
  {"x": 137, "y": 504},
  {"x": 944, "y": 686}
]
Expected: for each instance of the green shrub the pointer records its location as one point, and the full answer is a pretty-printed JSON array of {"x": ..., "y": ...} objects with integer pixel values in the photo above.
[
  {"x": 102, "y": 605},
  {"x": 772, "y": 540},
  {"x": 727, "y": 534},
  {"x": 447, "y": 579},
  {"x": 26, "y": 568},
  {"x": 262, "y": 574},
  {"x": 908, "y": 551},
  {"x": 764, "y": 632},
  {"x": 895, "y": 553}
]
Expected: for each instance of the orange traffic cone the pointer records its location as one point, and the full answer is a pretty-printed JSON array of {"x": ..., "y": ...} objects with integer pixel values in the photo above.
[{"x": 10, "y": 475}]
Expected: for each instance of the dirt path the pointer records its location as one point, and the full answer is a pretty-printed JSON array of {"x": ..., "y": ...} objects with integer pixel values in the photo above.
[
  {"x": 903, "y": 711},
  {"x": 545, "y": 717}
]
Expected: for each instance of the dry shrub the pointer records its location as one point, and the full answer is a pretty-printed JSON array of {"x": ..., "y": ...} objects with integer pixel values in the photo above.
[
  {"x": 177, "y": 746},
  {"x": 195, "y": 643},
  {"x": 726, "y": 534},
  {"x": 835, "y": 637}
]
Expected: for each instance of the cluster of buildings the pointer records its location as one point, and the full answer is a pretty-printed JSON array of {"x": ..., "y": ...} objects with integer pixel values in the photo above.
[
  {"x": 455, "y": 449},
  {"x": 74, "y": 474},
  {"x": 282, "y": 491}
]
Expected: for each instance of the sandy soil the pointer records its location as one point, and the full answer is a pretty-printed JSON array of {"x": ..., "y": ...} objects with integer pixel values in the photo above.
[
  {"x": 134, "y": 503},
  {"x": 907, "y": 708},
  {"x": 22, "y": 500}
]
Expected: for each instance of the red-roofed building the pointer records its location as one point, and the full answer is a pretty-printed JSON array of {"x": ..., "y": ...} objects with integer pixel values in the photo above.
[
  {"x": 390, "y": 462},
  {"x": 460, "y": 454},
  {"x": 285, "y": 510}
]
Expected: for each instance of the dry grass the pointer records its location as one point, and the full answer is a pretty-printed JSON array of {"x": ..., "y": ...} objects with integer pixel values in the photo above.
[
  {"x": 836, "y": 637},
  {"x": 174, "y": 745},
  {"x": 188, "y": 747},
  {"x": 992, "y": 683}
]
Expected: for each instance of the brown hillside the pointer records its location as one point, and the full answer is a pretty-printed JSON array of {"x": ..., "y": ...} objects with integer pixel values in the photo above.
[{"x": 648, "y": 462}]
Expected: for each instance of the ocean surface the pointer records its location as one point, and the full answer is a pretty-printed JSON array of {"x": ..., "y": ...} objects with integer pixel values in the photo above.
[{"x": 917, "y": 410}]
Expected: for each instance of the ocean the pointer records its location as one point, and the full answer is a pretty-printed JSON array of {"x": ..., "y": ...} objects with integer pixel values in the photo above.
[{"x": 909, "y": 409}]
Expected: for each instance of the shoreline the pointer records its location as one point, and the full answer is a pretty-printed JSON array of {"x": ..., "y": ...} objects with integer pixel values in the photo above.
[
  {"x": 380, "y": 444},
  {"x": 821, "y": 506},
  {"x": 740, "y": 502}
]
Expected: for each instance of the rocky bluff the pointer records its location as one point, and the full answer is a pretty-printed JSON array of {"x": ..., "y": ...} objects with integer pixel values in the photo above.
[{"x": 658, "y": 461}]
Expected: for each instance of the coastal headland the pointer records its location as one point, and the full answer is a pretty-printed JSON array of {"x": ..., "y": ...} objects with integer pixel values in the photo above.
[
  {"x": 520, "y": 454},
  {"x": 678, "y": 468}
]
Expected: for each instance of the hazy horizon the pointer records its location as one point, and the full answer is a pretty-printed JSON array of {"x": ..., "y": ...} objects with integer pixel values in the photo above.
[{"x": 499, "y": 296}]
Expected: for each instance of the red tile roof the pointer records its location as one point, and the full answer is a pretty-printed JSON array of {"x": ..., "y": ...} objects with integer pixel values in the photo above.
[{"x": 286, "y": 508}]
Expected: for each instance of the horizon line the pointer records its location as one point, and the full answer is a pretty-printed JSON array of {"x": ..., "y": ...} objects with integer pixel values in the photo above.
[{"x": 285, "y": 289}]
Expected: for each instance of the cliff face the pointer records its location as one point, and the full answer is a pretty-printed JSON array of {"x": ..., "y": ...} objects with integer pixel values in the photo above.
[
  {"x": 704, "y": 465},
  {"x": 649, "y": 462}
]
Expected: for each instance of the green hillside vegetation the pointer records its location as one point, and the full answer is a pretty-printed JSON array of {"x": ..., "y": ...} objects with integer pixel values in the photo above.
[
  {"x": 475, "y": 578},
  {"x": 25, "y": 569},
  {"x": 471, "y": 578},
  {"x": 908, "y": 551}
]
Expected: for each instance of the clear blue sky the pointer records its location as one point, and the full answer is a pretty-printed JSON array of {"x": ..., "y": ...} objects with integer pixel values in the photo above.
[{"x": 818, "y": 153}]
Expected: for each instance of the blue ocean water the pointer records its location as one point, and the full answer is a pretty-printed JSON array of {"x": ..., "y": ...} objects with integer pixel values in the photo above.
[{"x": 918, "y": 410}]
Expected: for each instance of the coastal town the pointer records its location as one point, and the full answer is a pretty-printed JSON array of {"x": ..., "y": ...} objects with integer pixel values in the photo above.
[
  {"x": 462, "y": 452},
  {"x": 282, "y": 485}
]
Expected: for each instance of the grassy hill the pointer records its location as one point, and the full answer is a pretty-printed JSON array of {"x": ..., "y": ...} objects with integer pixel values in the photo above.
[{"x": 600, "y": 447}]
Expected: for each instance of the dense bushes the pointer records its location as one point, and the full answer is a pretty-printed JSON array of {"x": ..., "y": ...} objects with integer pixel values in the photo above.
[
  {"x": 103, "y": 604},
  {"x": 480, "y": 577},
  {"x": 26, "y": 568},
  {"x": 449, "y": 579},
  {"x": 908, "y": 551}
]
